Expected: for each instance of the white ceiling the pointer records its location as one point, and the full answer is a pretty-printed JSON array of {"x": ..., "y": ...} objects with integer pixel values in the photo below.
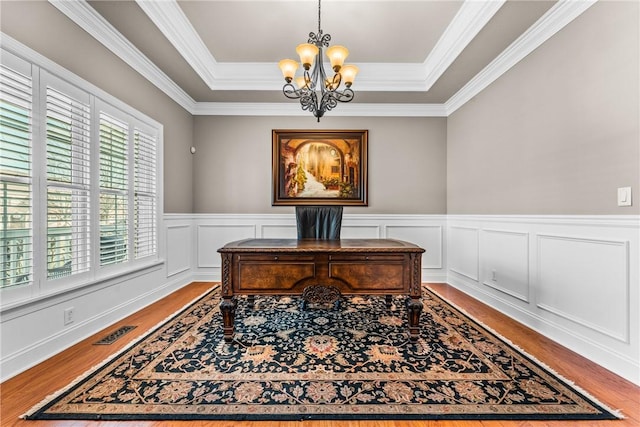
[{"x": 422, "y": 56}]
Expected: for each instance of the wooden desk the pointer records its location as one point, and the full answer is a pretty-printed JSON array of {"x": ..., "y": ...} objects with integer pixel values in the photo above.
[{"x": 348, "y": 266}]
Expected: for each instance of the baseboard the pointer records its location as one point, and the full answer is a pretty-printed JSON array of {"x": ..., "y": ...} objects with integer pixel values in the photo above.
[{"x": 42, "y": 350}]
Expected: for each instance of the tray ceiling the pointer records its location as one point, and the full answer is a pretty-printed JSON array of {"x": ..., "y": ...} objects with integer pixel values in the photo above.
[{"x": 208, "y": 54}]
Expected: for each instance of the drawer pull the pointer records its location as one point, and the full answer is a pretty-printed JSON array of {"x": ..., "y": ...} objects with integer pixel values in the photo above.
[{"x": 275, "y": 257}]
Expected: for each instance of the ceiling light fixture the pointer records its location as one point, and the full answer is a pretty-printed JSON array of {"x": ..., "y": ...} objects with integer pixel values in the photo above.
[{"x": 317, "y": 92}]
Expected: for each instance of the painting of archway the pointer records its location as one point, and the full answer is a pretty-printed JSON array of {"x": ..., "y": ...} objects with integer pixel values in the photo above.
[{"x": 323, "y": 167}]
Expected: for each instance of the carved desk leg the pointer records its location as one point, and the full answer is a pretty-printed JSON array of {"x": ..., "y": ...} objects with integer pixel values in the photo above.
[
  {"x": 414, "y": 303},
  {"x": 414, "y": 309},
  {"x": 228, "y": 304},
  {"x": 228, "y": 309}
]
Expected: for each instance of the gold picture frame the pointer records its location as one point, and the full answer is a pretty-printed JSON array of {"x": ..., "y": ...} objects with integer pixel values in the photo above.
[{"x": 319, "y": 167}]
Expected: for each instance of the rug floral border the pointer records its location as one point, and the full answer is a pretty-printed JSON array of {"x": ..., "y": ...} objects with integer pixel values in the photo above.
[{"x": 160, "y": 367}]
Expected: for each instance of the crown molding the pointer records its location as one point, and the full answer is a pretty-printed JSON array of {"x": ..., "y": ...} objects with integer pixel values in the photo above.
[
  {"x": 377, "y": 76},
  {"x": 173, "y": 23},
  {"x": 170, "y": 19},
  {"x": 93, "y": 23},
  {"x": 556, "y": 18},
  {"x": 293, "y": 109},
  {"x": 465, "y": 26}
]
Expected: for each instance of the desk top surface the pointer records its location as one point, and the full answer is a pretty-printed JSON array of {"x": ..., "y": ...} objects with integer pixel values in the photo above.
[{"x": 313, "y": 245}]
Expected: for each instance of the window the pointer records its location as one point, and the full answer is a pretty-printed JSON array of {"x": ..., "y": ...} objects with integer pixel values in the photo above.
[
  {"x": 145, "y": 198},
  {"x": 78, "y": 181},
  {"x": 114, "y": 186},
  {"x": 16, "y": 229},
  {"x": 68, "y": 185}
]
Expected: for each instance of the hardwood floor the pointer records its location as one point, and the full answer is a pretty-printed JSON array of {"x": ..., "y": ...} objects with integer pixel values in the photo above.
[{"x": 19, "y": 394}]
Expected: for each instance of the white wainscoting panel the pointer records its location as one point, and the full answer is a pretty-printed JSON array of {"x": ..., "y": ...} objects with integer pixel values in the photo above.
[
  {"x": 211, "y": 237},
  {"x": 428, "y": 237},
  {"x": 355, "y": 231},
  {"x": 179, "y": 248},
  {"x": 575, "y": 279},
  {"x": 585, "y": 281},
  {"x": 504, "y": 262},
  {"x": 463, "y": 251},
  {"x": 269, "y": 231}
]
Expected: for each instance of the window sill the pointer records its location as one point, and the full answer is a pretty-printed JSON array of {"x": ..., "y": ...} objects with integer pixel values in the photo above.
[{"x": 88, "y": 286}]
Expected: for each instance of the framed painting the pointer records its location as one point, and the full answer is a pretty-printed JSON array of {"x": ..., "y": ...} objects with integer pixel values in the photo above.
[{"x": 319, "y": 167}]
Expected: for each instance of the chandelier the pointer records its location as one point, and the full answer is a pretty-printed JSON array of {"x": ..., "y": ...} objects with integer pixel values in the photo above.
[{"x": 317, "y": 92}]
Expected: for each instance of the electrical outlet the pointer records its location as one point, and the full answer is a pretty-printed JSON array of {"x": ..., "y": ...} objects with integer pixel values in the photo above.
[{"x": 68, "y": 316}]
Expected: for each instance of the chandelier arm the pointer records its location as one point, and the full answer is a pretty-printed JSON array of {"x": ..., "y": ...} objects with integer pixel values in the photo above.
[
  {"x": 329, "y": 102},
  {"x": 335, "y": 82},
  {"x": 346, "y": 95},
  {"x": 313, "y": 77},
  {"x": 309, "y": 101},
  {"x": 331, "y": 98},
  {"x": 290, "y": 91},
  {"x": 349, "y": 94},
  {"x": 320, "y": 74}
]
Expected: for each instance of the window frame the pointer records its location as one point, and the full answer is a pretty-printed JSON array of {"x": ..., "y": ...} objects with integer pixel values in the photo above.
[{"x": 44, "y": 70}]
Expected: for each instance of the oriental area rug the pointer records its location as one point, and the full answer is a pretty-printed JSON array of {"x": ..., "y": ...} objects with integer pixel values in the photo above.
[{"x": 352, "y": 362}]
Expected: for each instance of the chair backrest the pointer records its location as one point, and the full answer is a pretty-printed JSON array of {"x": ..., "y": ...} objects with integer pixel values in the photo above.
[{"x": 319, "y": 222}]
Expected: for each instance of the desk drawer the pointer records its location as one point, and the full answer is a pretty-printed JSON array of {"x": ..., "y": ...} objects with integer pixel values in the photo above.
[
  {"x": 375, "y": 273},
  {"x": 272, "y": 273},
  {"x": 369, "y": 258},
  {"x": 275, "y": 258}
]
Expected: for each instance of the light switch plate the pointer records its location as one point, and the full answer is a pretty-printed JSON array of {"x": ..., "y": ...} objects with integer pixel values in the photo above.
[{"x": 624, "y": 196}]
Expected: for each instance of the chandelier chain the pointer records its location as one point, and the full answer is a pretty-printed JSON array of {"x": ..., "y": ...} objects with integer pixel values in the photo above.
[{"x": 319, "y": 27}]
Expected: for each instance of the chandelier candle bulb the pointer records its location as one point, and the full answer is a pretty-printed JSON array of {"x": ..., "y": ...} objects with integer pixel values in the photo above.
[
  {"x": 288, "y": 68},
  {"x": 349, "y": 74},
  {"x": 337, "y": 55},
  {"x": 307, "y": 53},
  {"x": 302, "y": 82}
]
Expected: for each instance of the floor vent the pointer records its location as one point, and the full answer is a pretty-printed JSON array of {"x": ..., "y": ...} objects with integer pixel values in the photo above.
[{"x": 112, "y": 337}]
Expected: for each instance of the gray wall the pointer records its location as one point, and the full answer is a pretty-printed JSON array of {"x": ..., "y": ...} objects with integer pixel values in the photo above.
[
  {"x": 559, "y": 133},
  {"x": 406, "y": 163},
  {"x": 44, "y": 29}
]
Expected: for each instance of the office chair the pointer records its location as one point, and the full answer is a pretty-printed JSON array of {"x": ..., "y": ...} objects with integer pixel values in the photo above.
[{"x": 319, "y": 222}]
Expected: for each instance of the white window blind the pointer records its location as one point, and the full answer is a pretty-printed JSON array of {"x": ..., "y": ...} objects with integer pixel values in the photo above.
[
  {"x": 16, "y": 228},
  {"x": 114, "y": 186},
  {"x": 145, "y": 197},
  {"x": 79, "y": 181},
  {"x": 68, "y": 185}
]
